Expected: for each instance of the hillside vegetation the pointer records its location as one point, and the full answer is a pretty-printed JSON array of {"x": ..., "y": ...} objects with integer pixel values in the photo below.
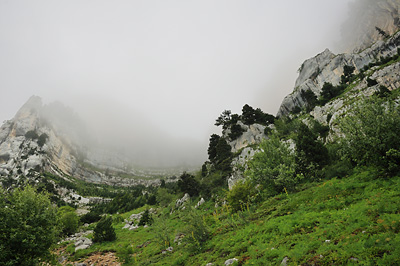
[{"x": 311, "y": 193}]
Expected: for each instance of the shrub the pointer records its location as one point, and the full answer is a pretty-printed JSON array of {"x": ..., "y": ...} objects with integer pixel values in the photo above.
[
  {"x": 196, "y": 231},
  {"x": 90, "y": 217},
  {"x": 241, "y": 194},
  {"x": 28, "y": 227},
  {"x": 370, "y": 134},
  {"x": 104, "y": 231},
  {"x": 274, "y": 166},
  {"x": 69, "y": 220},
  {"x": 31, "y": 134},
  {"x": 42, "y": 139}
]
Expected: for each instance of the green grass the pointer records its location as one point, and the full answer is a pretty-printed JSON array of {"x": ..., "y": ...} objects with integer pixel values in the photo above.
[{"x": 354, "y": 220}]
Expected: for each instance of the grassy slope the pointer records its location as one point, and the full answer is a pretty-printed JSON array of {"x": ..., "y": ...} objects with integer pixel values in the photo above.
[{"x": 354, "y": 220}]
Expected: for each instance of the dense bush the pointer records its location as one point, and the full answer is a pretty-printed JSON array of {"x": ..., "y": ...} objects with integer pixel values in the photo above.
[
  {"x": 69, "y": 220},
  {"x": 240, "y": 195},
  {"x": 274, "y": 167},
  {"x": 104, "y": 231},
  {"x": 370, "y": 135},
  {"x": 28, "y": 227}
]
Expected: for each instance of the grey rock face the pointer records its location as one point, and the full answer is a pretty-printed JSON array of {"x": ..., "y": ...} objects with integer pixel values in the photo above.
[
  {"x": 328, "y": 67},
  {"x": 252, "y": 134},
  {"x": 239, "y": 165},
  {"x": 359, "y": 31}
]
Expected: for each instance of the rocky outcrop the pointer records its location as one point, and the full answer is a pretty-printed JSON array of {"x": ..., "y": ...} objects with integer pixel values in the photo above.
[
  {"x": 239, "y": 165},
  {"x": 359, "y": 31},
  {"x": 328, "y": 67},
  {"x": 252, "y": 134},
  {"x": 180, "y": 204}
]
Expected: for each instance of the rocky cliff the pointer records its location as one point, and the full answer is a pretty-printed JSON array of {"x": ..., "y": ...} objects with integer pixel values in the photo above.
[
  {"x": 359, "y": 32},
  {"x": 46, "y": 138},
  {"x": 328, "y": 67}
]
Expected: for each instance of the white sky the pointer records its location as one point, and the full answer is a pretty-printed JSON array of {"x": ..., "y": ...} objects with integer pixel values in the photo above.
[{"x": 176, "y": 64}]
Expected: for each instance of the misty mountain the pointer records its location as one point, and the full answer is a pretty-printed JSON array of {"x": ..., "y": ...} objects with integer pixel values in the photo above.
[{"x": 53, "y": 138}]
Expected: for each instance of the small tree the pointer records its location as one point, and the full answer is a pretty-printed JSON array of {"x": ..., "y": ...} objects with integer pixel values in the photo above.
[
  {"x": 188, "y": 184},
  {"x": 212, "y": 148},
  {"x": 104, "y": 231}
]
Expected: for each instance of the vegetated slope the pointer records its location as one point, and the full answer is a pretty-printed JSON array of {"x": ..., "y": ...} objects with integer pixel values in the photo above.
[
  {"x": 353, "y": 220},
  {"x": 322, "y": 188}
]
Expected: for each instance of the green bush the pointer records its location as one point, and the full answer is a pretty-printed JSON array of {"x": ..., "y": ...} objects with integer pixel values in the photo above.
[
  {"x": 274, "y": 166},
  {"x": 196, "y": 231},
  {"x": 371, "y": 135},
  {"x": 28, "y": 227},
  {"x": 241, "y": 194},
  {"x": 104, "y": 231},
  {"x": 69, "y": 220}
]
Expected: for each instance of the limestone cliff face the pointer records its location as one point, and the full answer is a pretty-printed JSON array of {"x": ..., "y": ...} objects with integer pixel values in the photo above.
[
  {"x": 359, "y": 32},
  {"x": 252, "y": 134},
  {"x": 22, "y": 153},
  {"x": 328, "y": 67}
]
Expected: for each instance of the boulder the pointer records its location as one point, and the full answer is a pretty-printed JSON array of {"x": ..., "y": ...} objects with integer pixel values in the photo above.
[
  {"x": 201, "y": 202},
  {"x": 231, "y": 261}
]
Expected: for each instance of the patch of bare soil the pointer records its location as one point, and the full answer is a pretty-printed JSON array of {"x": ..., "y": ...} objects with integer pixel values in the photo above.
[{"x": 95, "y": 259}]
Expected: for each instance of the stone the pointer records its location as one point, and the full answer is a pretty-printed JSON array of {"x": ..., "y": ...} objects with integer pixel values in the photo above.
[
  {"x": 285, "y": 261},
  {"x": 179, "y": 204},
  {"x": 231, "y": 261},
  {"x": 133, "y": 227},
  {"x": 81, "y": 247},
  {"x": 201, "y": 202}
]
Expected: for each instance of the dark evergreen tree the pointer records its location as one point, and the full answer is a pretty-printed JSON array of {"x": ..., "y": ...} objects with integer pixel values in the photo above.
[
  {"x": 224, "y": 119},
  {"x": 236, "y": 131},
  {"x": 347, "y": 74},
  {"x": 248, "y": 115},
  {"x": 146, "y": 218},
  {"x": 310, "y": 99},
  {"x": 212, "y": 148},
  {"x": 104, "y": 231},
  {"x": 188, "y": 184},
  {"x": 311, "y": 154}
]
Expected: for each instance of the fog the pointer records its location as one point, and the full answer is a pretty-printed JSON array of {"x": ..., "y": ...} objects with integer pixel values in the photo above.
[{"x": 152, "y": 76}]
